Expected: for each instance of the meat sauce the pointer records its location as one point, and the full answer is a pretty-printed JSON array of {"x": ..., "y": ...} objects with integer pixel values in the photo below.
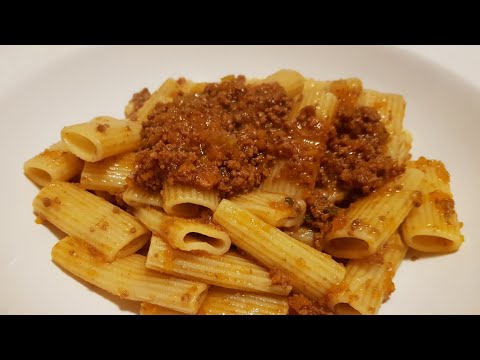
[
  {"x": 301, "y": 305},
  {"x": 229, "y": 135},
  {"x": 355, "y": 160},
  {"x": 227, "y": 138}
]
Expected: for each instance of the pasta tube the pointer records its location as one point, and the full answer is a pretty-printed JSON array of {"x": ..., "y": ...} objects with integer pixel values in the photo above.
[
  {"x": 229, "y": 302},
  {"x": 434, "y": 226},
  {"x": 53, "y": 164},
  {"x": 186, "y": 201},
  {"x": 127, "y": 277},
  {"x": 276, "y": 209},
  {"x": 310, "y": 271},
  {"x": 368, "y": 222},
  {"x": 136, "y": 196},
  {"x": 109, "y": 174},
  {"x": 185, "y": 234},
  {"x": 102, "y": 137},
  {"x": 228, "y": 270},
  {"x": 80, "y": 214},
  {"x": 368, "y": 281}
]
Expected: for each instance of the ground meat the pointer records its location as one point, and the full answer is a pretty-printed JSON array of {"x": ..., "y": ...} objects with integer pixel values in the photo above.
[
  {"x": 140, "y": 98},
  {"x": 205, "y": 216},
  {"x": 389, "y": 286},
  {"x": 279, "y": 278},
  {"x": 424, "y": 165},
  {"x": 442, "y": 201},
  {"x": 46, "y": 202},
  {"x": 354, "y": 164},
  {"x": 227, "y": 137},
  {"x": 444, "y": 204},
  {"x": 137, "y": 101},
  {"x": 304, "y": 147},
  {"x": 320, "y": 215},
  {"x": 102, "y": 127},
  {"x": 355, "y": 159},
  {"x": 301, "y": 305}
]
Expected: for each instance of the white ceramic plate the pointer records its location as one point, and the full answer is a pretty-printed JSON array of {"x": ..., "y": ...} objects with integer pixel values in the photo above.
[{"x": 443, "y": 113}]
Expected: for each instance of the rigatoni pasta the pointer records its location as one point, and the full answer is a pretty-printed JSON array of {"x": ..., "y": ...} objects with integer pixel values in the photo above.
[
  {"x": 303, "y": 234},
  {"x": 101, "y": 137},
  {"x": 369, "y": 222},
  {"x": 136, "y": 196},
  {"x": 109, "y": 174},
  {"x": 229, "y": 270},
  {"x": 292, "y": 81},
  {"x": 53, "y": 164},
  {"x": 433, "y": 226},
  {"x": 185, "y": 234},
  {"x": 275, "y": 195},
  {"x": 391, "y": 108},
  {"x": 368, "y": 281},
  {"x": 162, "y": 96},
  {"x": 399, "y": 146},
  {"x": 221, "y": 301},
  {"x": 276, "y": 209},
  {"x": 187, "y": 201},
  {"x": 310, "y": 271},
  {"x": 80, "y": 214},
  {"x": 127, "y": 277},
  {"x": 276, "y": 182}
]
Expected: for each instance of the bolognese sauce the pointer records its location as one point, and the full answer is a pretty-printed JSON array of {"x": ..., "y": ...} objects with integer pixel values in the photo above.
[{"x": 229, "y": 136}]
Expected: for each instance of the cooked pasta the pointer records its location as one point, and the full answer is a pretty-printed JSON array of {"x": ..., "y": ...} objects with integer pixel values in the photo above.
[
  {"x": 128, "y": 277},
  {"x": 228, "y": 270},
  {"x": 185, "y": 234},
  {"x": 433, "y": 226},
  {"x": 310, "y": 271},
  {"x": 101, "y": 137},
  {"x": 221, "y": 301},
  {"x": 109, "y": 174},
  {"x": 368, "y": 281},
  {"x": 277, "y": 183},
  {"x": 164, "y": 95},
  {"x": 271, "y": 196},
  {"x": 53, "y": 164},
  {"x": 276, "y": 209},
  {"x": 370, "y": 221},
  {"x": 136, "y": 196},
  {"x": 391, "y": 108},
  {"x": 303, "y": 234},
  {"x": 80, "y": 214},
  {"x": 292, "y": 81},
  {"x": 187, "y": 201}
]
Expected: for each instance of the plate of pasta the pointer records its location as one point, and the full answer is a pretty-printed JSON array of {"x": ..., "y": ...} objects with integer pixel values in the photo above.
[{"x": 241, "y": 181}]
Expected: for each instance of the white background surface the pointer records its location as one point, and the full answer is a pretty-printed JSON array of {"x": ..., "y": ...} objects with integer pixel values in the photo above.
[
  {"x": 17, "y": 63},
  {"x": 443, "y": 113}
]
